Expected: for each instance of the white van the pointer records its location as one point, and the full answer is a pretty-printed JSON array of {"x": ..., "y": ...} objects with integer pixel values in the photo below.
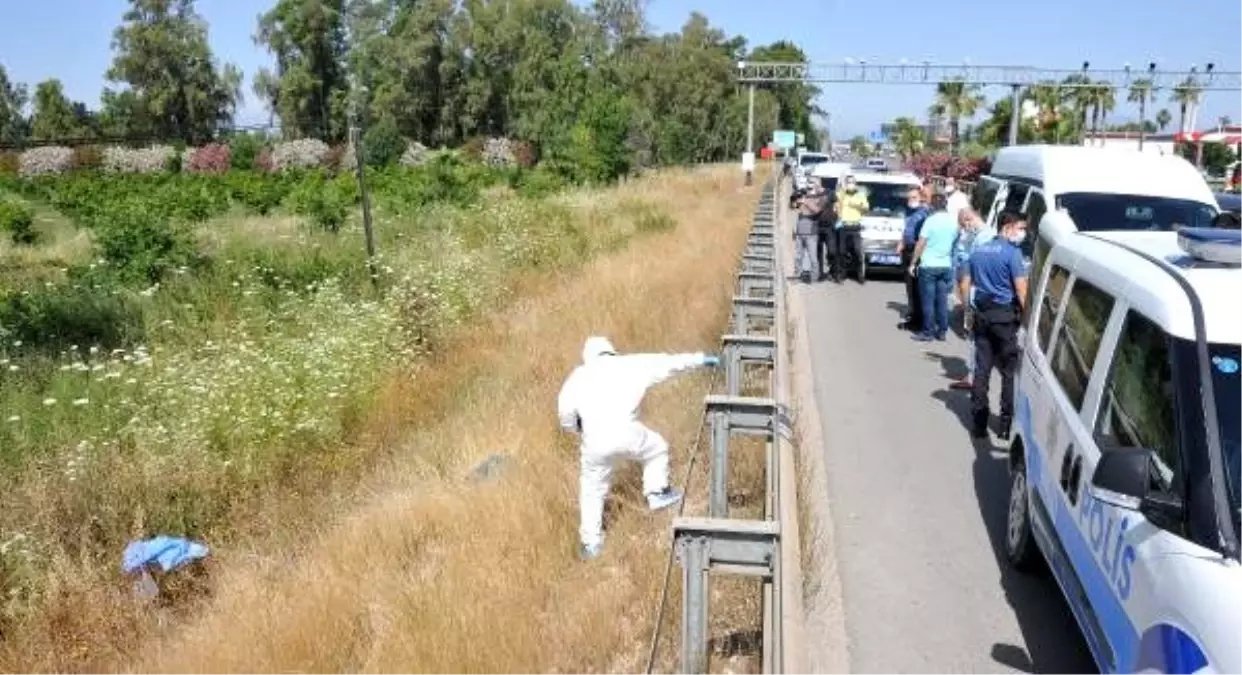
[
  {"x": 806, "y": 162},
  {"x": 1094, "y": 189},
  {"x": 830, "y": 173},
  {"x": 885, "y": 220},
  {"x": 1125, "y": 457}
]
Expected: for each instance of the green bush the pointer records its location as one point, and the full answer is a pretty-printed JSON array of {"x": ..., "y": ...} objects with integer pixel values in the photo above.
[
  {"x": 140, "y": 246},
  {"x": 245, "y": 149},
  {"x": 53, "y": 318},
  {"x": 323, "y": 201},
  {"x": 382, "y": 145},
  {"x": 17, "y": 218},
  {"x": 259, "y": 194},
  {"x": 538, "y": 182}
]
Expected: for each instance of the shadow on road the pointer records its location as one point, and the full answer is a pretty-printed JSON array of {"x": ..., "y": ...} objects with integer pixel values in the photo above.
[
  {"x": 1052, "y": 639},
  {"x": 954, "y": 366}
]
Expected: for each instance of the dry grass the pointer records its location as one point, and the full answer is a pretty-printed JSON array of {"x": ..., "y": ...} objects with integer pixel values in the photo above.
[{"x": 422, "y": 569}]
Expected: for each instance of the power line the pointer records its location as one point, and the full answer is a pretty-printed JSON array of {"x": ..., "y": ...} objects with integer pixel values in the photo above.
[{"x": 927, "y": 73}]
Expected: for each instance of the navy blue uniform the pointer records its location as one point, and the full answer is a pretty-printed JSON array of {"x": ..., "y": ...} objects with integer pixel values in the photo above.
[
  {"x": 909, "y": 238},
  {"x": 995, "y": 268}
]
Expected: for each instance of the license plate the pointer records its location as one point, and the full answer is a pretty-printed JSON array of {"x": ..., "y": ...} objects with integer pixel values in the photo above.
[{"x": 883, "y": 259}]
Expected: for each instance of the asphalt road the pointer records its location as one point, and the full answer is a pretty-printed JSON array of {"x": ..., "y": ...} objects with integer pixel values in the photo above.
[{"x": 918, "y": 507}]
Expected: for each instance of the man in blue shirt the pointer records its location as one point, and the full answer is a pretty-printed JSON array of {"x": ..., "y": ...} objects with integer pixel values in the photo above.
[
  {"x": 933, "y": 263},
  {"x": 971, "y": 234},
  {"x": 916, "y": 213},
  {"x": 996, "y": 278}
]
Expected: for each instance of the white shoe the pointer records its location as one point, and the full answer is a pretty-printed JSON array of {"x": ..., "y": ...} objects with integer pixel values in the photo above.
[{"x": 663, "y": 499}]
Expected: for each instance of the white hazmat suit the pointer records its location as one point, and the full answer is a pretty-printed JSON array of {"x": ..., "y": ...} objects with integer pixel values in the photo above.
[{"x": 600, "y": 400}]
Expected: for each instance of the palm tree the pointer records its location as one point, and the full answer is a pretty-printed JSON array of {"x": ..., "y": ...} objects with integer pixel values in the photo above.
[
  {"x": 1080, "y": 98},
  {"x": 1163, "y": 118},
  {"x": 1142, "y": 90},
  {"x": 909, "y": 137},
  {"x": 1186, "y": 95},
  {"x": 956, "y": 99},
  {"x": 1104, "y": 99},
  {"x": 1224, "y": 121},
  {"x": 1047, "y": 97}
]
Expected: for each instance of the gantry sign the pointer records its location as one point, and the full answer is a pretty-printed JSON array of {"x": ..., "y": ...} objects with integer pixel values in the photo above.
[{"x": 861, "y": 72}]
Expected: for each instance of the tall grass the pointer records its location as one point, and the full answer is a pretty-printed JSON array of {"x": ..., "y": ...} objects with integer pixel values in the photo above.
[{"x": 255, "y": 442}]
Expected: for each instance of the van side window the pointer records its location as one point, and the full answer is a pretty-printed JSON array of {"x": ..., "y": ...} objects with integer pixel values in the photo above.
[
  {"x": 1036, "y": 207},
  {"x": 1016, "y": 196},
  {"x": 1137, "y": 410},
  {"x": 983, "y": 196},
  {"x": 1050, "y": 302},
  {"x": 1082, "y": 329}
]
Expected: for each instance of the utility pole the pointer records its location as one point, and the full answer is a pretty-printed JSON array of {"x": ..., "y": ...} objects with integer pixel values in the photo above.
[
  {"x": 1016, "y": 118},
  {"x": 355, "y": 139},
  {"x": 750, "y": 135}
]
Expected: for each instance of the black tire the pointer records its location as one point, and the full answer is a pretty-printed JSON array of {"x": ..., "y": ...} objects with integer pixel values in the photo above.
[{"x": 1020, "y": 547}]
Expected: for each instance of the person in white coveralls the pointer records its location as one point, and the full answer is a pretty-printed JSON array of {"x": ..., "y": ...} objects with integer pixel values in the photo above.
[{"x": 599, "y": 401}]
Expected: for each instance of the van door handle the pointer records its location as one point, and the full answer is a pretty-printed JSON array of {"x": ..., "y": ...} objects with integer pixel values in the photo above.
[
  {"x": 1065, "y": 467},
  {"x": 1075, "y": 480}
]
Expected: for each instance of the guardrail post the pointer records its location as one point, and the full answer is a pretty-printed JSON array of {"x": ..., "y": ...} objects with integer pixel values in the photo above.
[
  {"x": 718, "y": 494},
  {"x": 693, "y": 553}
]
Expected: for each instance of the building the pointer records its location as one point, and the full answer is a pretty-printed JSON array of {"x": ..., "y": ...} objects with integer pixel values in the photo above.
[{"x": 1162, "y": 143}]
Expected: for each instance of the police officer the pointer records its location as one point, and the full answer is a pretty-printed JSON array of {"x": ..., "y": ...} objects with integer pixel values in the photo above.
[
  {"x": 916, "y": 213},
  {"x": 826, "y": 233},
  {"x": 997, "y": 276}
]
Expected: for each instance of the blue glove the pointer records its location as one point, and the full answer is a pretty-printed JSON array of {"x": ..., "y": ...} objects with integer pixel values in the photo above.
[{"x": 711, "y": 360}]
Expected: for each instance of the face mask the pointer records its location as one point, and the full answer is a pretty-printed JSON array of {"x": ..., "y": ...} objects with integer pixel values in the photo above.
[
  {"x": 850, "y": 188},
  {"x": 1017, "y": 238},
  {"x": 912, "y": 205}
]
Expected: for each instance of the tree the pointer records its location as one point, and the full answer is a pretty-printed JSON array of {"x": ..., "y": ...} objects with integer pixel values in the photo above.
[
  {"x": 1216, "y": 156},
  {"x": 860, "y": 147},
  {"x": 956, "y": 99},
  {"x": 177, "y": 90},
  {"x": 796, "y": 99},
  {"x": 994, "y": 131},
  {"x": 1103, "y": 99},
  {"x": 13, "y": 98},
  {"x": 1048, "y": 98},
  {"x": 908, "y": 137},
  {"x": 309, "y": 89},
  {"x": 54, "y": 116},
  {"x": 1186, "y": 95},
  {"x": 1079, "y": 98},
  {"x": 1163, "y": 118},
  {"x": 1142, "y": 91}
]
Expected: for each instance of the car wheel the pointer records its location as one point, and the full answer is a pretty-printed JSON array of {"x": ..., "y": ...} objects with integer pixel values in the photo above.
[{"x": 1019, "y": 544}]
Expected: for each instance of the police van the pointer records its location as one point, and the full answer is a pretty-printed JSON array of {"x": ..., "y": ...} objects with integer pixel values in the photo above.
[
  {"x": 1091, "y": 189},
  {"x": 1124, "y": 462},
  {"x": 885, "y": 220}
]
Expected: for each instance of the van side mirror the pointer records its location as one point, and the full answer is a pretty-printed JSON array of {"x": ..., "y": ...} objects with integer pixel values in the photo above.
[{"x": 1123, "y": 478}]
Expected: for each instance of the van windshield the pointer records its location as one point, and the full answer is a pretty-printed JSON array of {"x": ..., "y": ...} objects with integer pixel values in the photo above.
[
  {"x": 808, "y": 160},
  {"x": 1093, "y": 212},
  {"x": 1225, "y": 386},
  {"x": 887, "y": 200}
]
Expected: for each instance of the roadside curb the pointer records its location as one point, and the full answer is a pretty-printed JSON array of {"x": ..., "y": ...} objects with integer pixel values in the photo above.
[{"x": 820, "y": 584}]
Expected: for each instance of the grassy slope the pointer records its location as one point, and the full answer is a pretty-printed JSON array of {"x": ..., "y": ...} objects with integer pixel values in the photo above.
[{"x": 417, "y": 569}]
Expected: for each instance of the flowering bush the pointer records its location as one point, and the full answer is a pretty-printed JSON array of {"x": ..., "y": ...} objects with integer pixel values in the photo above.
[
  {"x": 264, "y": 162},
  {"x": 154, "y": 159},
  {"x": 50, "y": 159},
  {"x": 87, "y": 157},
  {"x": 211, "y": 158},
  {"x": 498, "y": 152},
  {"x": 416, "y": 154},
  {"x": 943, "y": 164},
  {"x": 306, "y": 153}
]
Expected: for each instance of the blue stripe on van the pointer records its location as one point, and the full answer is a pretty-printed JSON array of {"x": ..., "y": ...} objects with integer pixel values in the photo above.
[{"x": 1105, "y": 604}]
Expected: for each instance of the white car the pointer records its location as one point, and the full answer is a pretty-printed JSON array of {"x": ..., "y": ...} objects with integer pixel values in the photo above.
[
  {"x": 802, "y": 170},
  {"x": 829, "y": 174},
  {"x": 885, "y": 220},
  {"x": 1125, "y": 456}
]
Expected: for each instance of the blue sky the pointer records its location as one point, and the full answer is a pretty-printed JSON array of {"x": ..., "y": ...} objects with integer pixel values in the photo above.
[{"x": 69, "y": 39}]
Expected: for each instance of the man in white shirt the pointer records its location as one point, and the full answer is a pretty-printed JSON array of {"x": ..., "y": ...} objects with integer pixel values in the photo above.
[{"x": 957, "y": 200}]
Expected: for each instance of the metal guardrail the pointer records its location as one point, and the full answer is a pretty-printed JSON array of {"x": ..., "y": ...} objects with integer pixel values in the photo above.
[{"x": 718, "y": 544}]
